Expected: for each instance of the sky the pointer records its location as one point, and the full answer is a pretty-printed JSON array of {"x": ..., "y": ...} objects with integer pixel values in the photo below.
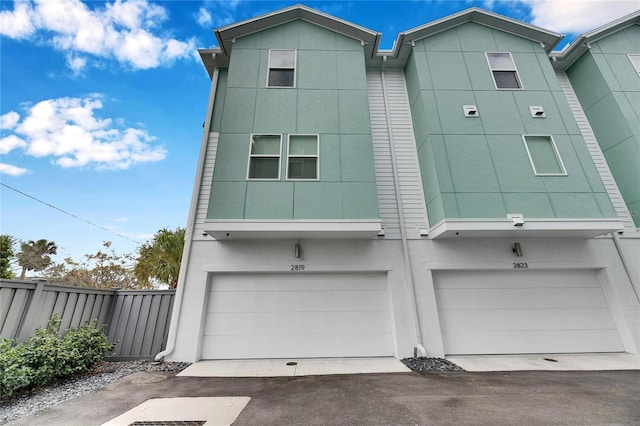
[{"x": 102, "y": 103}]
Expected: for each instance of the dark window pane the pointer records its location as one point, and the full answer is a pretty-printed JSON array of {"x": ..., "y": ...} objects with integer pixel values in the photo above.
[
  {"x": 302, "y": 168},
  {"x": 264, "y": 168},
  {"x": 506, "y": 80},
  {"x": 281, "y": 78}
]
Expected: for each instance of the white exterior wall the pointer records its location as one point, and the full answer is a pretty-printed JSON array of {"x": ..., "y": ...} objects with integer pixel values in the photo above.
[
  {"x": 539, "y": 254},
  {"x": 264, "y": 256}
]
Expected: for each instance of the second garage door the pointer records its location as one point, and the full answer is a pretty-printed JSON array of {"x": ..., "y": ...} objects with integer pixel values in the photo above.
[
  {"x": 303, "y": 315},
  {"x": 508, "y": 312}
]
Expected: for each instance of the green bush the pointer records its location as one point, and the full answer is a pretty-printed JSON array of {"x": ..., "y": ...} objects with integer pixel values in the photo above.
[{"x": 46, "y": 357}]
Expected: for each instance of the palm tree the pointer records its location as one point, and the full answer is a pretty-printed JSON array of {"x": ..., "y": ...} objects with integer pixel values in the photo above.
[
  {"x": 35, "y": 255},
  {"x": 160, "y": 259}
]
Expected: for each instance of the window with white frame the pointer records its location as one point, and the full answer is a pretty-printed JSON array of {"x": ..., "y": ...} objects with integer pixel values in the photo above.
[
  {"x": 264, "y": 157},
  {"x": 302, "y": 157},
  {"x": 503, "y": 69},
  {"x": 282, "y": 68},
  {"x": 544, "y": 155},
  {"x": 635, "y": 60}
]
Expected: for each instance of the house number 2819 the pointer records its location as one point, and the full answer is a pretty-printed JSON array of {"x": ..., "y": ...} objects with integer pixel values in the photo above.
[{"x": 297, "y": 267}]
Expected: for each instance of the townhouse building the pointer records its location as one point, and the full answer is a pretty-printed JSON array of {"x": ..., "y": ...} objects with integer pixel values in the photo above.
[{"x": 470, "y": 191}]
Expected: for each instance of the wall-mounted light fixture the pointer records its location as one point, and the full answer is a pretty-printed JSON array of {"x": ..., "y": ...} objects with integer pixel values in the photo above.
[
  {"x": 517, "y": 249},
  {"x": 297, "y": 252}
]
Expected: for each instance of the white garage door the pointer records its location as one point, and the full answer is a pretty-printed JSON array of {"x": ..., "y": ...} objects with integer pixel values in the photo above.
[
  {"x": 524, "y": 311},
  {"x": 298, "y": 316}
]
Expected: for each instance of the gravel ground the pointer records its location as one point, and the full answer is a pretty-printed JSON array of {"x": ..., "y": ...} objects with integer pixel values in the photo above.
[
  {"x": 423, "y": 364},
  {"x": 22, "y": 404}
]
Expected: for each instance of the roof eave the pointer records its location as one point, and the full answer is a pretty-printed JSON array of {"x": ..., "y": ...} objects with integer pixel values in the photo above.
[
  {"x": 564, "y": 59},
  {"x": 228, "y": 34},
  {"x": 407, "y": 39}
]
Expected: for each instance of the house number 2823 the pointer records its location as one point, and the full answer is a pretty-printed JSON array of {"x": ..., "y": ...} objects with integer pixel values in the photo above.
[{"x": 297, "y": 267}]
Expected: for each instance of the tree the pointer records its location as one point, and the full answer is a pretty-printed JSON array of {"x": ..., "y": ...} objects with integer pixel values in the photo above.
[
  {"x": 6, "y": 254},
  {"x": 160, "y": 258},
  {"x": 35, "y": 255},
  {"x": 104, "y": 269}
]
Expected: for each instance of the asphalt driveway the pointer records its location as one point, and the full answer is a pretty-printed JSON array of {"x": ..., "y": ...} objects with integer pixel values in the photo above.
[{"x": 452, "y": 398}]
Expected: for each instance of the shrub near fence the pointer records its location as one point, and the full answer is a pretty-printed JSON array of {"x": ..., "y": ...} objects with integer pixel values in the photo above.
[{"x": 137, "y": 320}]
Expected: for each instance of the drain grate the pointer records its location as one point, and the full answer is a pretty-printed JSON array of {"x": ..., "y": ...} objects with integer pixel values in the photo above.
[
  {"x": 169, "y": 423},
  {"x": 550, "y": 359}
]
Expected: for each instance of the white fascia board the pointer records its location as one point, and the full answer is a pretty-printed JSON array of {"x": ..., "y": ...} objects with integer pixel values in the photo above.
[
  {"x": 503, "y": 23},
  {"x": 532, "y": 228},
  {"x": 287, "y": 229},
  {"x": 563, "y": 59}
]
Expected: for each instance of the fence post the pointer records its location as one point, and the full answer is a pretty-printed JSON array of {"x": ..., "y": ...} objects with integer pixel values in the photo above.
[{"x": 28, "y": 325}]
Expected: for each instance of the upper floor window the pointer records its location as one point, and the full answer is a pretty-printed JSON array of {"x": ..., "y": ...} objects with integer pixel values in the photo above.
[
  {"x": 635, "y": 60},
  {"x": 264, "y": 157},
  {"x": 544, "y": 156},
  {"x": 282, "y": 68},
  {"x": 505, "y": 74},
  {"x": 302, "y": 157}
]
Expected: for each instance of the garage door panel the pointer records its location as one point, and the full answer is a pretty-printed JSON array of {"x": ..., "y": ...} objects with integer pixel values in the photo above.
[
  {"x": 297, "y": 281},
  {"x": 295, "y": 323},
  {"x": 296, "y": 346},
  {"x": 298, "y": 316},
  {"x": 541, "y": 341},
  {"x": 518, "y": 298},
  {"x": 542, "y": 319},
  {"x": 520, "y": 279},
  {"x": 282, "y": 301},
  {"x": 529, "y": 311}
]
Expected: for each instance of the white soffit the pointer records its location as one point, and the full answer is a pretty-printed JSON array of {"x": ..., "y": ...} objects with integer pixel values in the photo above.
[
  {"x": 312, "y": 229},
  {"x": 532, "y": 228}
]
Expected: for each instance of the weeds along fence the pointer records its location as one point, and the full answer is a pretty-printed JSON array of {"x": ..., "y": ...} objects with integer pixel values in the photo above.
[{"x": 137, "y": 319}]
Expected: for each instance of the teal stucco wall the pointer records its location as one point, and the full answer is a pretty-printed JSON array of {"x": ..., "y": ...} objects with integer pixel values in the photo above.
[
  {"x": 330, "y": 99},
  {"x": 479, "y": 167},
  {"x": 608, "y": 87}
]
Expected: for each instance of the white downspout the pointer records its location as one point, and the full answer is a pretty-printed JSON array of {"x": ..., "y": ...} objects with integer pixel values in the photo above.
[
  {"x": 186, "y": 253},
  {"x": 403, "y": 233}
]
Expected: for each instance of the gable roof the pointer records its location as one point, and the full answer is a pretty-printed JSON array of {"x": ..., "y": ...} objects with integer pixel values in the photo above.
[
  {"x": 403, "y": 44},
  {"x": 564, "y": 59},
  {"x": 227, "y": 34}
]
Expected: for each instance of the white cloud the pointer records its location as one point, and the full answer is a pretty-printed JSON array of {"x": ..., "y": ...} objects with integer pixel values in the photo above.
[
  {"x": 578, "y": 16},
  {"x": 125, "y": 30},
  {"x": 10, "y": 170},
  {"x": 224, "y": 12},
  {"x": 11, "y": 142},
  {"x": 68, "y": 130},
  {"x": 204, "y": 17},
  {"x": 9, "y": 120},
  {"x": 76, "y": 63},
  {"x": 19, "y": 22}
]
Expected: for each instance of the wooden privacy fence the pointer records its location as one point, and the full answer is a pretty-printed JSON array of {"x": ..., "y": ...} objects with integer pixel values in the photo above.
[{"x": 137, "y": 319}]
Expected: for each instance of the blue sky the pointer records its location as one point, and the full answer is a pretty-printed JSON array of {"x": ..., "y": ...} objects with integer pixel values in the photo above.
[{"x": 102, "y": 103}]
